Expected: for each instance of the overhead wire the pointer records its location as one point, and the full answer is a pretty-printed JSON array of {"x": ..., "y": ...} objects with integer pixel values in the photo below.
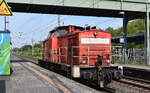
[
  {"x": 32, "y": 17},
  {"x": 67, "y": 17},
  {"x": 63, "y": 19},
  {"x": 60, "y": 1}
]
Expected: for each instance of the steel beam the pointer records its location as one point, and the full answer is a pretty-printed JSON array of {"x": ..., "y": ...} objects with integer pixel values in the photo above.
[{"x": 126, "y": 5}]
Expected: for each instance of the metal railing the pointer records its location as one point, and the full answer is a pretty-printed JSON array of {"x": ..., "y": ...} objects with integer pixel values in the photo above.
[
  {"x": 57, "y": 52},
  {"x": 113, "y": 51},
  {"x": 133, "y": 55}
]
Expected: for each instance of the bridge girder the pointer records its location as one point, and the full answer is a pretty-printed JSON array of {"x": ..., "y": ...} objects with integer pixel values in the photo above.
[{"x": 103, "y": 8}]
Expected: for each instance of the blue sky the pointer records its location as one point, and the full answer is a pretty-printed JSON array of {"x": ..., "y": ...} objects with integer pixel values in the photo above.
[{"x": 26, "y": 27}]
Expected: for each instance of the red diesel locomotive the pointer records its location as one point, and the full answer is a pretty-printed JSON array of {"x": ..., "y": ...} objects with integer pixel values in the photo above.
[{"x": 85, "y": 52}]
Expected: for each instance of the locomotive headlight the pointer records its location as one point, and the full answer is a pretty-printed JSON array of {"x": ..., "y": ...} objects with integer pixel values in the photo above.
[
  {"x": 83, "y": 61},
  {"x": 108, "y": 61}
]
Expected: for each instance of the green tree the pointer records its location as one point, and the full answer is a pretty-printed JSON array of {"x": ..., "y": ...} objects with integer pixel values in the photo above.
[
  {"x": 136, "y": 26},
  {"x": 133, "y": 27}
]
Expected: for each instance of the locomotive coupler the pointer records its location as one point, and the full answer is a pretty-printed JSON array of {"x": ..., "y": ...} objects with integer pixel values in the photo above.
[
  {"x": 104, "y": 76},
  {"x": 99, "y": 70},
  {"x": 100, "y": 76}
]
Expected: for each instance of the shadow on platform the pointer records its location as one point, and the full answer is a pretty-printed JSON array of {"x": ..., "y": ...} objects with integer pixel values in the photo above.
[{"x": 2, "y": 86}]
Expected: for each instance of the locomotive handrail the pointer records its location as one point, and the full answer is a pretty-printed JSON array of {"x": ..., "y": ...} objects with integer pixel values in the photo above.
[
  {"x": 89, "y": 51},
  {"x": 97, "y": 46},
  {"x": 58, "y": 53},
  {"x": 96, "y": 55}
]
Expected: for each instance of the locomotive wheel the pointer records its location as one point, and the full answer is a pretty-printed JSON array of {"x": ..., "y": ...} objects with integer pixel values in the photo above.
[
  {"x": 108, "y": 77},
  {"x": 110, "y": 74},
  {"x": 104, "y": 76}
]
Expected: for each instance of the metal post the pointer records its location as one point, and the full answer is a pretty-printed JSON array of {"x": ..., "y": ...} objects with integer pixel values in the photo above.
[
  {"x": 59, "y": 55},
  {"x": 5, "y": 23},
  {"x": 145, "y": 39},
  {"x": 125, "y": 22},
  {"x": 88, "y": 56},
  {"x": 58, "y": 20},
  {"x": 148, "y": 34},
  {"x": 32, "y": 48}
]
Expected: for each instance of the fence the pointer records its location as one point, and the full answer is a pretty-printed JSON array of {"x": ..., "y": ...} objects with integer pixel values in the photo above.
[
  {"x": 136, "y": 55},
  {"x": 132, "y": 56}
]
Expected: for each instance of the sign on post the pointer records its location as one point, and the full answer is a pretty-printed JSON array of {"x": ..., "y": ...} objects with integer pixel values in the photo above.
[
  {"x": 5, "y": 42},
  {"x": 4, "y": 9},
  {"x": 4, "y": 53},
  {"x": 122, "y": 40}
]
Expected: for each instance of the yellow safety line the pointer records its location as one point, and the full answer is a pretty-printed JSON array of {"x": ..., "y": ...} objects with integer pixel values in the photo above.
[{"x": 64, "y": 89}]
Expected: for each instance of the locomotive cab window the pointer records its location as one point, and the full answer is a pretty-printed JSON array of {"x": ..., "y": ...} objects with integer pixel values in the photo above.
[
  {"x": 49, "y": 35},
  {"x": 61, "y": 33}
]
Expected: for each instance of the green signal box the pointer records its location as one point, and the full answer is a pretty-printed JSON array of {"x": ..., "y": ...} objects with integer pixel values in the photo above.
[{"x": 4, "y": 53}]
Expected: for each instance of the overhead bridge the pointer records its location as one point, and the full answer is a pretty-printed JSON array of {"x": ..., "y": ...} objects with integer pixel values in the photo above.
[{"x": 103, "y": 8}]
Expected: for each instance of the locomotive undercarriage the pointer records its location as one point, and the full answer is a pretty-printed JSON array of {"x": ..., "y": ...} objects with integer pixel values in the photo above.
[{"x": 99, "y": 75}]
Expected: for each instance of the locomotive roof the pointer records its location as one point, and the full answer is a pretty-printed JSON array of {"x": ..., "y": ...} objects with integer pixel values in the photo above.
[{"x": 64, "y": 27}]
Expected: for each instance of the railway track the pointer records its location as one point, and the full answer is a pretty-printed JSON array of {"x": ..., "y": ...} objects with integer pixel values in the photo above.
[
  {"x": 124, "y": 85},
  {"x": 139, "y": 82},
  {"x": 131, "y": 85}
]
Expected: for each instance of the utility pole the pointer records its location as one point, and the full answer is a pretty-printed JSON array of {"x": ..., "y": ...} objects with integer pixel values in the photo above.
[
  {"x": 32, "y": 47},
  {"x": 58, "y": 20}
]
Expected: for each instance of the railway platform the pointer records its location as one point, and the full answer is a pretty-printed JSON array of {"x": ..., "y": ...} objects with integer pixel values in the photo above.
[
  {"x": 30, "y": 78},
  {"x": 134, "y": 66},
  {"x": 141, "y": 72}
]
